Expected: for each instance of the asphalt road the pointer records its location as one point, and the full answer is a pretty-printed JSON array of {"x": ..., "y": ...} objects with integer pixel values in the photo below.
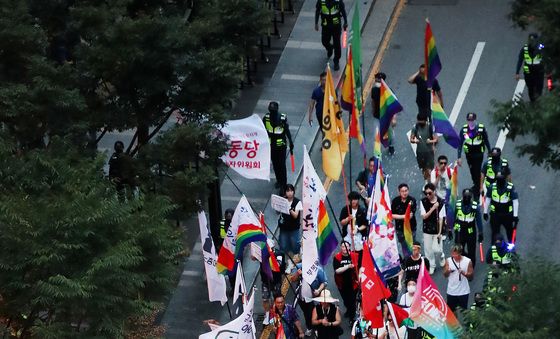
[{"x": 459, "y": 27}]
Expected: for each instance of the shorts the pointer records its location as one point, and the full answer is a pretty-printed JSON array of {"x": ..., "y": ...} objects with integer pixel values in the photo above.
[{"x": 425, "y": 160}]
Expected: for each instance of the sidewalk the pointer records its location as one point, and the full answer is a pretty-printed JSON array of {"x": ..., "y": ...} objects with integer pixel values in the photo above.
[{"x": 291, "y": 84}]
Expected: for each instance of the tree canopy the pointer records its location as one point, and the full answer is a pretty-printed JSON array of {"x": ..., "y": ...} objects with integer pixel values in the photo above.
[{"x": 537, "y": 122}]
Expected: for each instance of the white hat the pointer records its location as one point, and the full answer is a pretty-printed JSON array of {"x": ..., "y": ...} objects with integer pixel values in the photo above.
[{"x": 325, "y": 297}]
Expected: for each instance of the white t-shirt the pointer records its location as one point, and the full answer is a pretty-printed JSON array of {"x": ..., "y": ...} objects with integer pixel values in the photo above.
[
  {"x": 444, "y": 181},
  {"x": 358, "y": 242},
  {"x": 406, "y": 300},
  {"x": 458, "y": 284}
]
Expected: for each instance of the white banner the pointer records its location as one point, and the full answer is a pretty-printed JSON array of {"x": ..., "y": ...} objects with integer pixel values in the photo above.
[
  {"x": 248, "y": 148},
  {"x": 241, "y": 327},
  {"x": 216, "y": 282},
  {"x": 312, "y": 192}
]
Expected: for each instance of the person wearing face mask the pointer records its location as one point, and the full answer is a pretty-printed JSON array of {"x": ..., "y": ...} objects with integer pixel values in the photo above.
[
  {"x": 467, "y": 216},
  {"x": 531, "y": 56},
  {"x": 493, "y": 165},
  {"x": 375, "y": 100},
  {"x": 289, "y": 225},
  {"x": 502, "y": 200},
  {"x": 432, "y": 211},
  {"x": 423, "y": 136},
  {"x": 413, "y": 332},
  {"x": 474, "y": 141},
  {"x": 366, "y": 180},
  {"x": 459, "y": 271},
  {"x": 423, "y": 93},
  {"x": 278, "y": 130}
]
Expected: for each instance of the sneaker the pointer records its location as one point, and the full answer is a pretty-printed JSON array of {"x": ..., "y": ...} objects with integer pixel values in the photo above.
[
  {"x": 432, "y": 270},
  {"x": 442, "y": 260},
  {"x": 308, "y": 332}
]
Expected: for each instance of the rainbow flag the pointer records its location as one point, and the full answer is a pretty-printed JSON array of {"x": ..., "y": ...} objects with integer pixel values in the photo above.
[
  {"x": 269, "y": 262},
  {"x": 388, "y": 107},
  {"x": 348, "y": 102},
  {"x": 451, "y": 197},
  {"x": 407, "y": 230},
  {"x": 246, "y": 234},
  {"x": 326, "y": 239},
  {"x": 280, "y": 334},
  {"x": 377, "y": 144},
  {"x": 442, "y": 124},
  {"x": 431, "y": 57}
]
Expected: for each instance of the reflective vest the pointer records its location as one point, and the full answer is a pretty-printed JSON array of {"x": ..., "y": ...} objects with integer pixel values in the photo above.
[
  {"x": 477, "y": 141},
  {"x": 503, "y": 260},
  {"x": 528, "y": 61},
  {"x": 223, "y": 230},
  {"x": 276, "y": 135},
  {"x": 462, "y": 218},
  {"x": 330, "y": 15},
  {"x": 501, "y": 199},
  {"x": 490, "y": 176}
]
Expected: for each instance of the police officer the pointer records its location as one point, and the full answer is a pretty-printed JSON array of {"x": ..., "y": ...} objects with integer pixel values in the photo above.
[
  {"x": 501, "y": 254},
  {"x": 224, "y": 226},
  {"x": 474, "y": 141},
  {"x": 467, "y": 215},
  {"x": 493, "y": 165},
  {"x": 331, "y": 13},
  {"x": 531, "y": 56},
  {"x": 276, "y": 125},
  {"x": 503, "y": 202}
]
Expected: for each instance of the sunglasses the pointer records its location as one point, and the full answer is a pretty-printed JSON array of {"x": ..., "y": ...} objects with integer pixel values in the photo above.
[
  {"x": 428, "y": 193},
  {"x": 443, "y": 162}
]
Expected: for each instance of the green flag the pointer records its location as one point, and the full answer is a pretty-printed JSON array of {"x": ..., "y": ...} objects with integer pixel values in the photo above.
[{"x": 357, "y": 55}]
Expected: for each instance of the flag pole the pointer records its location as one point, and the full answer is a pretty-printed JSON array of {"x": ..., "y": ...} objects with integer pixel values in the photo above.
[
  {"x": 229, "y": 310},
  {"x": 332, "y": 212}
]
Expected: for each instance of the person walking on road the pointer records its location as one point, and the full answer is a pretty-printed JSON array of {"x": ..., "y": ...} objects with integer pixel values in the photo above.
[
  {"x": 331, "y": 12},
  {"x": 398, "y": 208},
  {"x": 474, "y": 141},
  {"x": 317, "y": 102},
  {"x": 459, "y": 271},
  {"x": 423, "y": 136},
  {"x": 493, "y": 165},
  {"x": 366, "y": 180},
  {"x": 375, "y": 101},
  {"x": 531, "y": 57},
  {"x": 346, "y": 278},
  {"x": 278, "y": 130},
  {"x": 467, "y": 216},
  {"x": 503, "y": 203},
  {"x": 224, "y": 227},
  {"x": 423, "y": 93},
  {"x": 289, "y": 225},
  {"x": 326, "y": 316},
  {"x": 432, "y": 211},
  {"x": 411, "y": 264},
  {"x": 287, "y": 316},
  {"x": 355, "y": 224}
]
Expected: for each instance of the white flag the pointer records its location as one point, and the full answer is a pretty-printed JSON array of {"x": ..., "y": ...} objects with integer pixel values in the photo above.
[
  {"x": 239, "y": 291},
  {"x": 248, "y": 147},
  {"x": 216, "y": 282},
  {"x": 241, "y": 327},
  {"x": 312, "y": 192}
]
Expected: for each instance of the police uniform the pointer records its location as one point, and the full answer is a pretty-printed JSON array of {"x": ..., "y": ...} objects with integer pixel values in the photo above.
[
  {"x": 474, "y": 143},
  {"x": 278, "y": 136},
  {"x": 533, "y": 69},
  {"x": 331, "y": 13},
  {"x": 467, "y": 220},
  {"x": 493, "y": 166},
  {"x": 503, "y": 208}
]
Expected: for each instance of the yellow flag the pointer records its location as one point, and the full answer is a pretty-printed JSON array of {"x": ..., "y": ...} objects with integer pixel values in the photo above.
[{"x": 335, "y": 141}]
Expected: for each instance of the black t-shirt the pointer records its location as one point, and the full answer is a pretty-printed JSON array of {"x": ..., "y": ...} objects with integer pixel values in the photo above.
[
  {"x": 411, "y": 268},
  {"x": 346, "y": 275},
  {"x": 430, "y": 225},
  {"x": 375, "y": 93},
  {"x": 399, "y": 207},
  {"x": 423, "y": 95},
  {"x": 361, "y": 219},
  {"x": 286, "y": 221}
]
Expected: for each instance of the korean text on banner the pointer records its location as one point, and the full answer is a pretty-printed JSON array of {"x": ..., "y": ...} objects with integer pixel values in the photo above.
[
  {"x": 248, "y": 150},
  {"x": 241, "y": 327},
  {"x": 216, "y": 282}
]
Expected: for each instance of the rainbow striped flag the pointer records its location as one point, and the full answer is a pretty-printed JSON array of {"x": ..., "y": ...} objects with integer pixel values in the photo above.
[
  {"x": 452, "y": 192},
  {"x": 442, "y": 124},
  {"x": 348, "y": 101},
  {"x": 377, "y": 144},
  {"x": 269, "y": 262},
  {"x": 326, "y": 239},
  {"x": 407, "y": 229},
  {"x": 280, "y": 334},
  {"x": 431, "y": 57},
  {"x": 246, "y": 234},
  {"x": 388, "y": 107}
]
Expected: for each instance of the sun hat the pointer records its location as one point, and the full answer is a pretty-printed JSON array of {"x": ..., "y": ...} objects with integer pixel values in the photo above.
[{"x": 325, "y": 297}]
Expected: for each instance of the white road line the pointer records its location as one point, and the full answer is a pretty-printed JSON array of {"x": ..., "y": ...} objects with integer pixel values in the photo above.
[
  {"x": 466, "y": 82},
  {"x": 462, "y": 91},
  {"x": 503, "y": 133},
  {"x": 298, "y": 77}
]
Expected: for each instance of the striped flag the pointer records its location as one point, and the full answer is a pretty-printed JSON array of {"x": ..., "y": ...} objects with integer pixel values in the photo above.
[
  {"x": 280, "y": 334},
  {"x": 326, "y": 239},
  {"x": 388, "y": 107},
  {"x": 431, "y": 57},
  {"x": 442, "y": 124},
  {"x": 269, "y": 262},
  {"x": 451, "y": 197},
  {"x": 348, "y": 101},
  {"x": 407, "y": 229},
  {"x": 377, "y": 144},
  {"x": 246, "y": 234}
]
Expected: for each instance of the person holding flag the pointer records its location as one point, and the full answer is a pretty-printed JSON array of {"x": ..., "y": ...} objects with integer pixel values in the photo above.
[
  {"x": 424, "y": 92},
  {"x": 399, "y": 206},
  {"x": 345, "y": 265},
  {"x": 375, "y": 104},
  {"x": 271, "y": 286},
  {"x": 354, "y": 225},
  {"x": 285, "y": 319}
]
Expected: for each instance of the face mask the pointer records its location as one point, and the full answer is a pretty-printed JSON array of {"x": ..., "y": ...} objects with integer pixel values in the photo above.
[
  {"x": 471, "y": 124},
  {"x": 377, "y": 84},
  {"x": 411, "y": 289}
]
